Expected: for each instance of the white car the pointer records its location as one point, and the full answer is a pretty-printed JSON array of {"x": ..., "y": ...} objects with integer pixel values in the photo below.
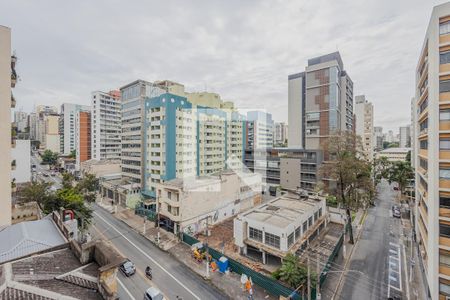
[{"x": 153, "y": 294}]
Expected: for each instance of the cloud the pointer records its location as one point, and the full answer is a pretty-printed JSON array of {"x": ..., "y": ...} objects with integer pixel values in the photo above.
[{"x": 243, "y": 50}]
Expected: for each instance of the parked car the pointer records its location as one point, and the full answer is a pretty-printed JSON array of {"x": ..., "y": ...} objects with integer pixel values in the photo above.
[
  {"x": 394, "y": 207},
  {"x": 45, "y": 174},
  {"x": 153, "y": 294},
  {"x": 128, "y": 268},
  {"x": 53, "y": 173},
  {"x": 396, "y": 213}
]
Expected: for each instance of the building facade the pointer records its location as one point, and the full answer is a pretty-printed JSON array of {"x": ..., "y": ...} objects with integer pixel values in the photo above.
[
  {"x": 432, "y": 153},
  {"x": 8, "y": 78},
  {"x": 405, "y": 136},
  {"x": 83, "y": 137},
  {"x": 52, "y": 139},
  {"x": 106, "y": 125},
  {"x": 280, "y": 134},
  {"x": 320, "y": 102},
  {"x": 21, "y": 120},
  {"x": 185, "y": 137},
  {"x": 378, "y": 138},
  {"x": 394, "y": 154},
  {"x": 259, "y": 130},
  {"x": 21, "y": 172},
  {"x": 364, "y": 125},
  {"x": 67, "y": 126}
]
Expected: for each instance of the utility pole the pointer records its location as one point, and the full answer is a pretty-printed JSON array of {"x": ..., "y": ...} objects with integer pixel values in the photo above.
[
  {"x": 145, "y": 222},
  {"x": 157, "y": 217},
  {"x": 309, "y": 279},
  {"x": 207, "y": 249}
]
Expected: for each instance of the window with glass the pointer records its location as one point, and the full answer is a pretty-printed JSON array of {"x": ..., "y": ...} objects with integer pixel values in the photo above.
[
  {"x": 310, "y": 221},
  {"x": 444, "y": 86},
  {"x": 444, "y": 28},
  {"x": 255, "y": 234},
  {"x": 444, "y": 257},
  {"x": 444, "y": 174},
  {"x": 305, "y": 226},
  {"x": 444, "y": 230},
  {"x": 316, "y": 216},
  {"x": 298, "y": 232},
  {"x": 424, "y": 144},
  {"x": 444, "y": 202},
  {"x": 444, "y": 57},
  {"x": 320, "y": 212},
  {"x": 444, "y": 288},
  {"x": 291, "y": 239},
  {"x": 444, "y": 115},
  {"x": 272, "y": 240},
  {"x": 444, "y": 144}
]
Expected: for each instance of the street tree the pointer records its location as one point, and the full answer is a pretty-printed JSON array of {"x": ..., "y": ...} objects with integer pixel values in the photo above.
[
  {"x": 67, "y": 180},
  {"x": 49, "y": 157},
  {"x": 35, "y": 192},
  {"x": 88, "y": 187},
  {"x": 401, "y": 172},
  {"x": 347, "y": 175},
  {"x": 293, "y": 272},
  {"x": 381, "y": 167}
]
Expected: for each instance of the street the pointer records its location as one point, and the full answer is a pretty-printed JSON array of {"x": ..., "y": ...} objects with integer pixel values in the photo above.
[
  {"x": 377, "y": 266},
  {"x": 170, "y": 276},
  {"x": 41, "y": 170}
]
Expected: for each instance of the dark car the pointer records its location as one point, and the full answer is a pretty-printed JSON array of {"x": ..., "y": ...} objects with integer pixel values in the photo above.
[
  {"x": 128, "y": 268},
  {"x": 396, "y": 213}
]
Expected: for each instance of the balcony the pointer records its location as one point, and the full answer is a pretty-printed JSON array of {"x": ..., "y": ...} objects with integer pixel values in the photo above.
[
  {"x": 444, "y": 183},
  {"x": 423, "y": 213},
  {"x": 13, "y": 78},
  {"x": 423, "y": 152},
  {"x": 444, "y": 38},
  {"x": 13, "y": 165},
  {"x": 13, "y": 101},
  {"x": 423, "y": 133}
]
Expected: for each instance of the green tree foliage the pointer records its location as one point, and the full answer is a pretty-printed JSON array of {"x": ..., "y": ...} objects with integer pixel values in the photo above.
[
  {"x": 35, "y": 192},
  {"x": 401, "y": 172},
  {"x": 381, "y": 168},
  {"x": 293, "y": 273},
  {"x": 49, "y": 157},
  {"x": 73, "y": 154},
  {"x": 348, "y": 174},
  {"x": 88, "y": 187},
  {"x": 67, "y": 180}
]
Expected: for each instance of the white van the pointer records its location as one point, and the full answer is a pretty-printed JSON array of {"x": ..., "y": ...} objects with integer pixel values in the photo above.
[{"x": 153, "y": 294}]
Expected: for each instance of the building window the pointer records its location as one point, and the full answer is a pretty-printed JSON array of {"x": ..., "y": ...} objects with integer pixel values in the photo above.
[
  {"x": 255, "y": 234},
  {"x": 305, "y": 226},
  {"x": 169, "y": 195},
  {"x": 444, "y": 86},
  {"x": 444, "y": 202},
  {"x": 444, "y": 144},
  {"x": 444, "y": 115},
  {"x": 298, "y": 232},
  {"x": 444, "y": 57},
  {"x": 444, "y": 230},
  {"x": 320, "y": 212},
  {"x": 424, "y": 144},
  {"x": 272, "y": 240},
  {"x": 291, "y": 239},
  {"x": 310, "y": 221},
  {"x": 316, "y": 216},
  {"x": 444, "y": 28},
  {"x": 444, "y": 174},
  {"x": 444, "y": 288}
]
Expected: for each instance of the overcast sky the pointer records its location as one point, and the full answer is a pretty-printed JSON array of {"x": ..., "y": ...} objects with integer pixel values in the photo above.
[{"x": 243, "y": 50}]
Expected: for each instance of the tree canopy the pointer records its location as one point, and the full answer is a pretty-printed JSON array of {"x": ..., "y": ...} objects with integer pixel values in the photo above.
[
  {"x": 49, "y": 157},
  {"x": 293, "y": 273}
]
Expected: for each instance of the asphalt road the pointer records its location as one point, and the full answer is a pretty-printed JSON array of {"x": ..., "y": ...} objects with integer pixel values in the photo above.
[
  {"x": 55, "y": 180},
  {"x": 377, "y": 264},
  {"x": 170, "y": 276}
]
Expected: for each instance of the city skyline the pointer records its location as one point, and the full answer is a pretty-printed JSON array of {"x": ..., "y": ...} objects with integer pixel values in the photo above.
[{"x": 79, "y": 57}]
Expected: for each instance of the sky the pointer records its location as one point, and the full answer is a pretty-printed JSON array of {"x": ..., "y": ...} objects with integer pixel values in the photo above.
[{"x": 244, "y": 50}]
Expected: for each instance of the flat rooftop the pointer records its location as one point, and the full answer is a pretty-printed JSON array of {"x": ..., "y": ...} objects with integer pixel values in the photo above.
[{"x": 283, "y": 211}]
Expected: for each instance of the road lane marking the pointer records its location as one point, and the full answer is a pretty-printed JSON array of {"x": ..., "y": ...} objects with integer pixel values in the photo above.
[
  {"x": 405, "y": 266},
  {"x": 148, "y": 256},
  {"x": 126, "y": 290}
]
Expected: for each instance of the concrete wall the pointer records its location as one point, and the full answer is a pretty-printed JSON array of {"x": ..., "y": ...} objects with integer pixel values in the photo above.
[
  {"x": 290, "y": 173},
  {"x": 295, "y": 112},
  {"x": 5, "y": 126},
  {"x": 21, "y": 154}
]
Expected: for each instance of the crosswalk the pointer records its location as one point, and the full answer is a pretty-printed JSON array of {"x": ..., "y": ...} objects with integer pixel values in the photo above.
[{"x": 395, "y": 270}]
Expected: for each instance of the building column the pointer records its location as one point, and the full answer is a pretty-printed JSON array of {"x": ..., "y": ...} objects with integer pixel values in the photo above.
[{"x": 263, "y": 257}]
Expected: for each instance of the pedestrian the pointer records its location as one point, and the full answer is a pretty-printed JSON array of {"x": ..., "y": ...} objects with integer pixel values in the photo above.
[{"x": 250, "y": 294}]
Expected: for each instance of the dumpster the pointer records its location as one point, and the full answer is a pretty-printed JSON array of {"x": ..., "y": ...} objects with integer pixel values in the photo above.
[{"x": 223, "y": 264}]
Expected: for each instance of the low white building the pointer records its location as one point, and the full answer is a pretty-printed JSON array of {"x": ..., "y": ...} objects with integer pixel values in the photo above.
[
  {"x": 283, "y": 225},
  {"x": 189, "y": 204},
  {"x": 100, "y": 167},
  {"x": 21, "y": 162},
  {"x": 394, "y": 154}
]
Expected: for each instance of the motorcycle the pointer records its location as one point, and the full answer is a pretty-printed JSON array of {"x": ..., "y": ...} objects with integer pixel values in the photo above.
[{"x": 148, "y": 273}]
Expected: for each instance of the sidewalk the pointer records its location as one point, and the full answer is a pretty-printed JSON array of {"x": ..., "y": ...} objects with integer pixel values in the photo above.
[{"x": 228, "y": 283}]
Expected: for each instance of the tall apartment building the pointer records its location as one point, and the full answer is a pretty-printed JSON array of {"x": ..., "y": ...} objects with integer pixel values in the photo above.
[
  {"x": 51, "y": 133},
  {"x": 67, "y": 126},
  {"x": 364, "y": 124},
  {"x": 432, "y": 153},
  {"x": 186, "y": 136},
  {"x": 378, "y": 137},
  {"x": 280, "y": 134},
  {"x": 404, "y": 136},
  {"x": 8, "y": 78},
  {"x": 106, "y": 125},
  {"x": 133, "y": 96},
  {"x": 21, "y": 120},
  {"x": 320, "y": 102},
  {"x": 259, "y": 130},
  {"x": 83, "y": 137},
  {"x": 37, "y": 122},
  {"x": 413, "y": 131}
]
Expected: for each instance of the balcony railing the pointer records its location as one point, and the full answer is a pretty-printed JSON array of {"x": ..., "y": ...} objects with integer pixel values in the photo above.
[{"x": 13, "y": 101}]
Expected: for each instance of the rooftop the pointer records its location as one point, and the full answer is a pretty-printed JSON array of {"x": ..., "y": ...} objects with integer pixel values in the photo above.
[
  {"x": 396, "y": 150},
  {"x": 284, "y": 210},
  {"x": 25, "y": 238}
]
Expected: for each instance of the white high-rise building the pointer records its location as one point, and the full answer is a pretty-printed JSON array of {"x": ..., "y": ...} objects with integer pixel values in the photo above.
[
  {"x": 21, "y": 120},
  {"x": 432, "y": 153},
  {"x": 405, "y": 136},
  {"x": 364, "y": 124},
  {"x": 259, "y": 131},
  {"x": 280, "y": 135},
  {"x": 67, "y": 126},
  {"x": 378, "y": 137},
  {"x": 106, "y": 125}
]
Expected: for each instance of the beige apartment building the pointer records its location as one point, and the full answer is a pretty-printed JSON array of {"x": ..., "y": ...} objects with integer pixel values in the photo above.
[
  {"x": 432, "y": 153},
  {"x": 8, "y": 78},
  {"x": 52, "y": 140},
  {"x": 364, "y": 124}
]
